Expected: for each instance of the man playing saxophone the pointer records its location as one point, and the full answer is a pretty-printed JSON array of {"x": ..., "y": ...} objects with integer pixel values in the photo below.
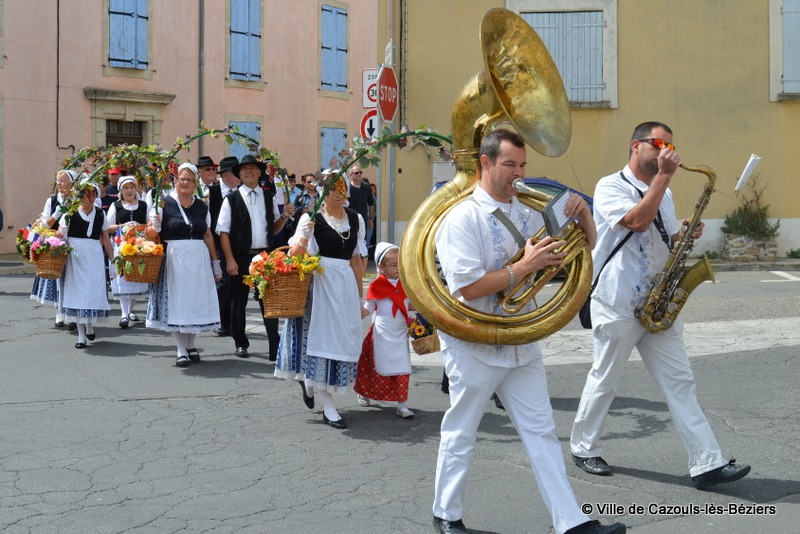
[
  {"x": 475, "y": 246},
  {"x": 638, "y": 200}
]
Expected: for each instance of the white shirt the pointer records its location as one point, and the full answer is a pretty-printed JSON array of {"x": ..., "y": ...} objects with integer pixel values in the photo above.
[
  {"x": 626, "y": 281},
  {"x": 472, "y": 242},
  {"x": 255, "y": 209}
]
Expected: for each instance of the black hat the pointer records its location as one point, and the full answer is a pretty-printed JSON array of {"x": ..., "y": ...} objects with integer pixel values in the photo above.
[
  {"x": 205, "y": 161},
  {"x": 227, "y": 163},
  {"x": 249, "y": 158}
]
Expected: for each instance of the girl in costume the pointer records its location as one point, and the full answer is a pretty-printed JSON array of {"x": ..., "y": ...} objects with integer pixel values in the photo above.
[{"x": 385, "y": 364}]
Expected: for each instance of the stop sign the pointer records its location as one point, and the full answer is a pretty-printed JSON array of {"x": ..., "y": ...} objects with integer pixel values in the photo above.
[{"x": 387, "y": 94}]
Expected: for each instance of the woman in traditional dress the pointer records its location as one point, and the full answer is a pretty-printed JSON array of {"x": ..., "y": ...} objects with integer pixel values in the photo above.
[
  {"x": 184, "y": 299},
  {"x": 85, "y": 301},
  {"x": 384, "y": 367},
  {"x": 124, "y": 213},
  {"x": 321, "y": 349},
  {"x": 49, "y": 291}
]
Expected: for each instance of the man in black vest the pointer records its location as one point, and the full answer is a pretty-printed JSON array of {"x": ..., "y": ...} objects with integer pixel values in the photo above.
[
  {"x": 216, "y": 193},
  {"x": 247, "y": 222}
]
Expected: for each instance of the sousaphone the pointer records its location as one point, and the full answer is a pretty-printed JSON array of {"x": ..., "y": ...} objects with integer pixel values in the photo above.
[{"x": 519, "y": 85}]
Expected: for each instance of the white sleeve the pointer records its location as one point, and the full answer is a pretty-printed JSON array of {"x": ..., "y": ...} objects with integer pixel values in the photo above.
[
  {"x": 224, "y": 217},
  {"x": 312, "y": 247},
  {"x": 111, "y": 216},
  {"x": 46, "y": 210},
  {"x": 361, "y": 243}
]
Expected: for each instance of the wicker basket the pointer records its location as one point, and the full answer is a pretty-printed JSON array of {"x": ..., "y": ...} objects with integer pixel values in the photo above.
[
  {"x": 49, "y": 265},
  {"x": 427, "y": 344},
  {"x": 286, "y": 295},
  {"x": 152, "y": 266},
  {"x": 151, "y": 263}
]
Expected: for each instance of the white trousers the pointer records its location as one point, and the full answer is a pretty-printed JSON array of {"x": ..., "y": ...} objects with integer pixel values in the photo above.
[
  {"x": 523, "y": 392},
  {"x": 664, "y": 356}
]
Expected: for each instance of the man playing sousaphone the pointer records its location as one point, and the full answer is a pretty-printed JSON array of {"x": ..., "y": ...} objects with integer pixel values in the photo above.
[{"x": 474, "y": 246}]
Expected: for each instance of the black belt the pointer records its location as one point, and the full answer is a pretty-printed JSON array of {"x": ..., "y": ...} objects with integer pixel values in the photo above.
[{"x": 254, "y": 251}]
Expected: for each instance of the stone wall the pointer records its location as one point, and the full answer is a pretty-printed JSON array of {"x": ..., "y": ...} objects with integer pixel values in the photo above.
[{"x": 737, "y": 247}]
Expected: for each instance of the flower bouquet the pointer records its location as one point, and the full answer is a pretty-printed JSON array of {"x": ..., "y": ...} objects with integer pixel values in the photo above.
[
  {"x": 282, "y": 281},
  {"x": 138, "y": 259},
  {"x": 49, "y": 252},
  {"x": 423, "y": 336}
]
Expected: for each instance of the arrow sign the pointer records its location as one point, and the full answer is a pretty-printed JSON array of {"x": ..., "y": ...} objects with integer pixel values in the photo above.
[{"x": 370, "y": 125}]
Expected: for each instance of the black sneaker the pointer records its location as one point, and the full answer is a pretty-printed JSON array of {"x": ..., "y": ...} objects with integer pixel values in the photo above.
[
  {"x": 595, "y": 527},
  {"x": 727, "y": 473}
]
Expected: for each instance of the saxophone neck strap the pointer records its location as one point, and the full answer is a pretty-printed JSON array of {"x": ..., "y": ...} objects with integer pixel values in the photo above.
[
  {"x": 659, "y": 222},
  {"x": 500, "y": 216},
  {"x": 608, "y": 259}
]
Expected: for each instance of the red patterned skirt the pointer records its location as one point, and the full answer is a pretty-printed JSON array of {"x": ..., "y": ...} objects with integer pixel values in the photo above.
[{"x": 373, "y": 385}]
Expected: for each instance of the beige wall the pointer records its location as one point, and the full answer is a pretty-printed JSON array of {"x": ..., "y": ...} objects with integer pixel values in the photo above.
[
  {"x": 701, "y": 67},
  {"x": 288, "y": 103}
]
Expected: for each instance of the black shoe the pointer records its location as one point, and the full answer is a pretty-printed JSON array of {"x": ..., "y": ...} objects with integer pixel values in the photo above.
[
  {"x": 594, "y": 527},
  {"x": 307, "y": 399},
  {"x": 221, "y": 332},
  {"x": 72, "y": 327},
  {"x": 194, "y": 355},
  {"x": 59, "y": 324},
  {"x": 339, "y": 424},
  {"x": 182, "y": 361},
  {"x": 594, "y": 465},
  {"x": 123, "y": 323},
  {"x": 80, "y": 345},
  {"x": 443, "y": 526},
  {"x": 497, "y": 402},
  {"x": 241, "y": 352},
  {"x": 91, "y": 337},
  {"x": 727, "y": 473}
]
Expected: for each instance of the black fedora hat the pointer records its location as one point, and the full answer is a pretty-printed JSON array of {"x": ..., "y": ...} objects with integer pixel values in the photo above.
[
  {"x": 205, "y": 161},
  {"x": 249, "y": 158},
  {"x": 227, "y": 163}
]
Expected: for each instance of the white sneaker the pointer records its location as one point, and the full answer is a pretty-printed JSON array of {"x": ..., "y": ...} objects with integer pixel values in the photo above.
[
  {"x": 363, "y": 401},
  {"x": 405, "y": 413}
]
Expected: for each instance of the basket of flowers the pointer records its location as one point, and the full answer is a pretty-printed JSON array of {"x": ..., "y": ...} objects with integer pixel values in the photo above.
[
  {"x": 423, "y": 336},
  {"x": 49, "y": 252},
  {"x": 282, "y": 281},
  {"x": 138, "y": 259}
]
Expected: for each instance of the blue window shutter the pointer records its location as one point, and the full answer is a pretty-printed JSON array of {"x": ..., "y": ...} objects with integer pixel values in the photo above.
[
  {"x": 340, "y": 53},
  {"x": 249, "y": 128},
  {"x": 245, "y": 40},
  {"x": 575, "y": 42},
  {"x": 791, "y": 46},
  {"x": 333, "y": 141},
  {"x": 127, "y": 34},
  {"x": 328, "y": 57}
]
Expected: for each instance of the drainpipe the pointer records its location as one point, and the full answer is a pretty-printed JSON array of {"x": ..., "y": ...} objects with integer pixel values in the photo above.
[{"x": 201, "y": 73}]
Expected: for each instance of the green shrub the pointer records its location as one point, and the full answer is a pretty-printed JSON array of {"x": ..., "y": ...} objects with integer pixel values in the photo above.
[
  {"x": 712, "y": 255},
  {"x": 751, "y": 219},
  {"x": 794, "y": 253}
]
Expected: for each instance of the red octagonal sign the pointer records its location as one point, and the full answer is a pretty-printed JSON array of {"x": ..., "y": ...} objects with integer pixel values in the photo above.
[{"x": 387, "y": 94}]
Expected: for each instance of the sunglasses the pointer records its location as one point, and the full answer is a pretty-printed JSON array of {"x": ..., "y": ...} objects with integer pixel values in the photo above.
[
  {"x": 356, "y": 172},
  {"x": 658, "y": 143}
]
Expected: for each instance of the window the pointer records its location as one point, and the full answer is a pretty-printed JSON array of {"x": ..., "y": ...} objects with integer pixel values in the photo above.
[
  {"x": 124, "y": 133},
  {"x": 581, "y": 38},
  {"x": 245, "y": 40},
  {"x": 784, "y": 50},
  {"x": 333, "y": 140},
  {"x": 248, "y": 128},
  {"x": 127, "y": 34},
  {"x": 333, "y": 56}
]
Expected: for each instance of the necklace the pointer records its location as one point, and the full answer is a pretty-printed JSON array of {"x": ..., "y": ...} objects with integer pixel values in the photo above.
[{"x": 337, "y": 224}]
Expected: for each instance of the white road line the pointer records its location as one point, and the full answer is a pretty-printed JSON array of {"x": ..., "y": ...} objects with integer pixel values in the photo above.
[{"x": 787, "y": 277}]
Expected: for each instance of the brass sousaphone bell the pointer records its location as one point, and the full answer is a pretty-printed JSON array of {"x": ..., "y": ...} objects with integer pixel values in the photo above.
[{"x": 519, "y": 85}]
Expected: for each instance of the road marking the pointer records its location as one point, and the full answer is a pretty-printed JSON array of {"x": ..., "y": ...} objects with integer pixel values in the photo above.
[{"x": 787, "y": 277}]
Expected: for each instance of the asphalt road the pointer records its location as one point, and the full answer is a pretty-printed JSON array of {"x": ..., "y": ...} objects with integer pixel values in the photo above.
[{"x": 116, "y": 439}]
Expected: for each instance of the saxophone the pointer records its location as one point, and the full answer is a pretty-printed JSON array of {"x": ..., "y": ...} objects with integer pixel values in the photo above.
[{"x": 672, "y": 286}]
